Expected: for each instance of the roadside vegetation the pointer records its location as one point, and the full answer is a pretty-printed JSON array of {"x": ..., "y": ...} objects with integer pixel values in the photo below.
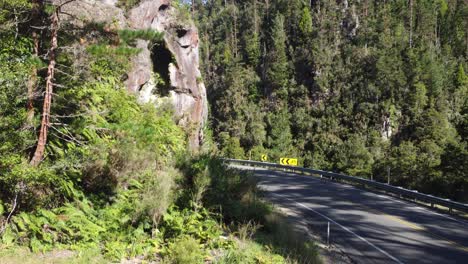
[{"x": 114, "y": 181}]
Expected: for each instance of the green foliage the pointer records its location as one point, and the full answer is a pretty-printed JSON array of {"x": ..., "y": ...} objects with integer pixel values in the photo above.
[
  {"x": 331, "y": 80},
  {"x": 197, "y": 224},
  {"x": 230, "y": 193},
  {"x": 12, "y": 12},
  {"x": 107, "y": 178},
  {"x": 354, "y": 158},
  {"x": 128, "y": 36},
  {"x": 306, "y": 22},
  {"x": 110, "y": 61},
  {"x": 182, "y": 12},
  {"x": 280, "y": 137},
  {"x": 185, "y": 250},
  {"x": 80, "y": 225},
  {"x": 231, "y": 147},
  {"x": 108, "y": 185},
  {"x": 284, "y": 238},
  {"x": 278, "y": 69},
  {"x": 251, "y": 253},
  {"x": 128, "y": 4},
  {"x": 252, "y": 48},
  {"x": 58, "y": 256},
  {"x": 17, "y": 62}
]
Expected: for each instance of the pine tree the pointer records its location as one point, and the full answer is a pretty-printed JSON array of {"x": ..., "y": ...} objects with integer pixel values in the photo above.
[{"x": 277, "y": 73}]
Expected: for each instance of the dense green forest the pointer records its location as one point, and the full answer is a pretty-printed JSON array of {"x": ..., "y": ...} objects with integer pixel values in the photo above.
[
  {"x": 360, "y": 87},
  {"x": 89, "y": 175}
]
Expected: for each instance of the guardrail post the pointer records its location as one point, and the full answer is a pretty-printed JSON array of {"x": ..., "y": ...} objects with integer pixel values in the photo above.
[{"x": 388, "y": 175}]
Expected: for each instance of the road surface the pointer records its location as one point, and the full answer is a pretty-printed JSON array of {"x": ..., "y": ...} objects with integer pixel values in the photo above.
[{"x": 369, "y": 227}]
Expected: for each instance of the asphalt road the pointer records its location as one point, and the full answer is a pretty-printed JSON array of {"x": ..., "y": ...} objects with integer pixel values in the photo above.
[{"x": 369, "y": 227}]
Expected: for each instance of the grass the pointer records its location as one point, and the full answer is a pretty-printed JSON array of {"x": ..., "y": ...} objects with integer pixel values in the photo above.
[
  {"x": 249, "y": 252},
  {"x": 275, "y": 242},
  {"x": 24, "y": 256},
  {"x": 258, "y": 224},
  {"x": 283, "y": 238}
]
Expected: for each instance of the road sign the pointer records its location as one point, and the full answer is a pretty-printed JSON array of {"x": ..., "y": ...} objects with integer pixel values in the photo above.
[
  {"x": 288, "y": 161},
  {"x": 264, "y": 157}
]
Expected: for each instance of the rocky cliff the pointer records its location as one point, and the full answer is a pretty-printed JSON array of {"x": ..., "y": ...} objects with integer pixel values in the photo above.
[{"x": 164, "y": 72}]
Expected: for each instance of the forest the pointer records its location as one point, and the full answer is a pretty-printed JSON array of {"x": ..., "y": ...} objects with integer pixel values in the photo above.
[
  {"x": 367, "y": 88},
  {"x": 90, "y": 174}
]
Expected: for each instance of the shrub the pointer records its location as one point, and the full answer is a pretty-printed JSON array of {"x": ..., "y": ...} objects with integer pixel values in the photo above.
[
  {"x": 284, "y": 239},
  {"x": 250, "y": 253},
  {"x": 185, "y": 250},
  {"x": 156, "y": 194},
  {"x": 198, "y": 224}
]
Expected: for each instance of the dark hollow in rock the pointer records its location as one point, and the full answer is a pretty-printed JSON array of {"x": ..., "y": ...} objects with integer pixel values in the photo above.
[
  {"x": 161, "y": 58},
  {"x": 181, "y": 32},
  {"x": 163, "y": 8}
]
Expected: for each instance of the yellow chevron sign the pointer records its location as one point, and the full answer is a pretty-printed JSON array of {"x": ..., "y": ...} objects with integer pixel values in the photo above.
[
  {"x": 288, "y": 161},
  {"x": 264, "y": 157}
]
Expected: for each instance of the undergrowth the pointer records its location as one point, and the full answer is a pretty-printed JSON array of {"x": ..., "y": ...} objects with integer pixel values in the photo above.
[{"x": 116, "y": 182}]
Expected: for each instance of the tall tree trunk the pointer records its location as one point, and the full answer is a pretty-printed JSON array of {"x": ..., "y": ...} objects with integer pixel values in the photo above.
[
  {"x": 32, "y": 83},
  {"x": 255, "y": 18},
  {"x": 45, "y": 123},
  {"x": 411, "y": 25},
  {"x": 366, "y": 29},
  {"x": 235, "y": 30}
]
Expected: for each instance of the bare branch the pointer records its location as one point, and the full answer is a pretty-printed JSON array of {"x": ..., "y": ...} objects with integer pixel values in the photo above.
[
  {"x": 5, "y": 224},
  {"x": 64, "y": 3}
]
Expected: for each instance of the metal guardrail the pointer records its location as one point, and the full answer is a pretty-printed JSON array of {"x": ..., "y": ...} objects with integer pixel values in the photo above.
[{"x": 412, "y": 194}]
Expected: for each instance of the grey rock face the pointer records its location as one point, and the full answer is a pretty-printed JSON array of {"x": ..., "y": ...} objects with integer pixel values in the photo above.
[
  {"x": 184, "y": 85},
  {"x": 187, "y": 91},
  {"x": 81, "y": 12}
]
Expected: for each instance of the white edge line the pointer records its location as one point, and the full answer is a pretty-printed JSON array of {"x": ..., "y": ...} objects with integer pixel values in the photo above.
[
  {"x": 344, "y": 228},
  {"x": 388, "y": 198}
]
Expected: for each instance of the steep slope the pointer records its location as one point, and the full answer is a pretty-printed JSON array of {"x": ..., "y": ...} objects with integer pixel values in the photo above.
[
  {"x": 160, "y": 72},
  {"x": 186, "y": 89}
]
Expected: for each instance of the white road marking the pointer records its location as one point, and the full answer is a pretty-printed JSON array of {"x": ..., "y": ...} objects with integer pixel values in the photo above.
[
  {"x": 344, "y": 228},
  {"x": 385, "y": 197}
]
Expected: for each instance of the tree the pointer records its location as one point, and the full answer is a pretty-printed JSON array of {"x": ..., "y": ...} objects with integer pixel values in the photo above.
[
  {"x": 279, "y": 137},
  {"x": 45, "y": 123},
  {"x": 49, "y": 85},
  {"x": 230, "y": 146},
  {"x": 305, "y": 23},
  {"x": 354, "y": 158},
  {"x": 342, "y": 82},
  {"x": 277, "y": 71},
  {"x": 460, "y": 94}
]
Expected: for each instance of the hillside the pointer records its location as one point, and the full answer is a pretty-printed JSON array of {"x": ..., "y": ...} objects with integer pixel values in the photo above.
[
  {"x": 115, "y": 114},
  {"x": 368, "y": 88},
  {"x": 105, "y": 155}
]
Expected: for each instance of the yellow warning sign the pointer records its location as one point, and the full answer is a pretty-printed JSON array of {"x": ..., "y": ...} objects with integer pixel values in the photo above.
[
  {"x": 264, "y": 157},
  {"x": 288, "y": 161}
]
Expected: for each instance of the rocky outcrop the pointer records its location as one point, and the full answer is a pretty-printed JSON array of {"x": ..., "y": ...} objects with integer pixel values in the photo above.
[
  {"x": 82, "y": 12},
  {"x": 183, "y": 86},
  {"x": 187, "y": 91}
]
